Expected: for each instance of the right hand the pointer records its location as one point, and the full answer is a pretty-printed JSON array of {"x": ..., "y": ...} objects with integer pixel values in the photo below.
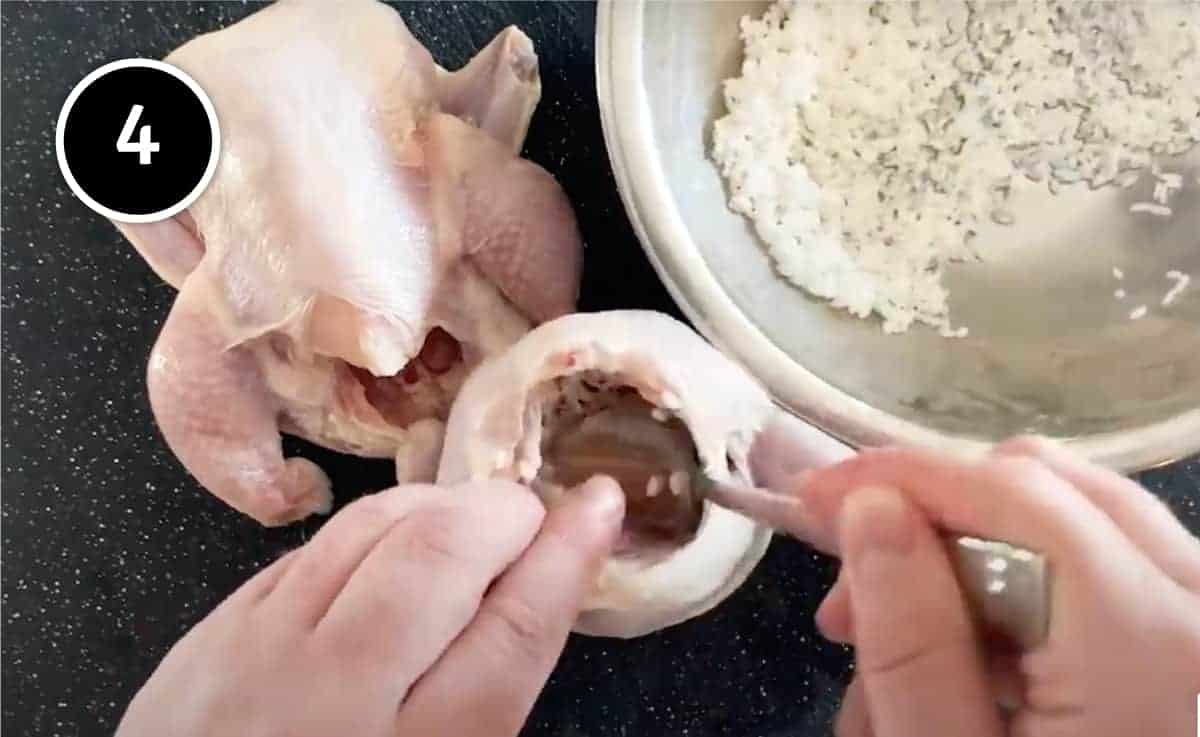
[{"x": 1122, "y": 656}]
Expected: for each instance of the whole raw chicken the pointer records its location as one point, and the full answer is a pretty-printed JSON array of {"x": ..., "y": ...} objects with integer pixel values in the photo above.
[{"x": 369, "y": 237}]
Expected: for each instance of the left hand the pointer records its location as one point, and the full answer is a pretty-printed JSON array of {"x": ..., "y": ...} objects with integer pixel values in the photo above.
[{"x": 416, "y": 611}]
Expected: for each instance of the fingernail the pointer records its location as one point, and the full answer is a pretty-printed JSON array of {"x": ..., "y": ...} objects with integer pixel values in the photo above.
[
  {"x": 603, "y": 498},
  {"x": 877, "y": 522}
]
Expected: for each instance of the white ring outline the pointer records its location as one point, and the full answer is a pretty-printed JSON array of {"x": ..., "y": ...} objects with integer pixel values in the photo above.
[{"x": 209, "y": 110}]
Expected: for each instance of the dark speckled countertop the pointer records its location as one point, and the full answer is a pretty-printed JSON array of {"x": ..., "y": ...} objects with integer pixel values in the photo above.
[{"x": 111, "y": 551}]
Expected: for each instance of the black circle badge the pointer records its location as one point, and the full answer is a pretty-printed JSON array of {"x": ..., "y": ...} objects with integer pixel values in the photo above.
[{"x": 137, "y": 140}]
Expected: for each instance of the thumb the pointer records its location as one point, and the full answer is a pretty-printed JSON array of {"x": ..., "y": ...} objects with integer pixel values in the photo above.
[
  {"x": 499, "y": 664},
  {"x": 920, "y": 664}
]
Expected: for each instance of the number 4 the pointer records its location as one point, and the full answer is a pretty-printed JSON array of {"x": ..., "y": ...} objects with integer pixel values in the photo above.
[{"x": 144, "y": 146}]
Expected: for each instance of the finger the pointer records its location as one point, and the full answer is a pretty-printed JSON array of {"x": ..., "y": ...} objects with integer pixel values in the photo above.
[
  {"x": 1016, "y": 500},
  {"x": 1147, "y": 522},
  {"x": 422, "y": 583},
  {"x": 260, "y": 584},
  {"x": 917, "y": 655},
  {"x": 834, "y": 619},
  {"x": 835, "y": 622},
  {"x": 307, "y": 590},
  {"x": 500, "y": 662},
  {"x": 265, "y": 581},
  {"x": 852, "y": 718},
  {"x": 1008, "y": 685}
]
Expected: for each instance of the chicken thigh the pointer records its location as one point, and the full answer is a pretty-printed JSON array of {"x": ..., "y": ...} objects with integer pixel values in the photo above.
[{"x": 370, "y": 236}]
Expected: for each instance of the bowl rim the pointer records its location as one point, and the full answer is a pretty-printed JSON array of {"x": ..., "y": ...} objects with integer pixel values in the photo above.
[{"x": 626, "y": 121}]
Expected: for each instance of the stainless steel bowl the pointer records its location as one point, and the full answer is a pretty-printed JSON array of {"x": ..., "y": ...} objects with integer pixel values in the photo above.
[{"x": 1051, "y": 350}]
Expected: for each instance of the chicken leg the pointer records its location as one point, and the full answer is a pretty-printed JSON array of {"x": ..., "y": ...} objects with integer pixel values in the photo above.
[
  {"x": 219, "y": 417},
  {"x": 368, "y": 238}
]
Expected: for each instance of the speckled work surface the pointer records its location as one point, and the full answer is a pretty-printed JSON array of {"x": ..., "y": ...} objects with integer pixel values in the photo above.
[{"x": 111, "y": 552}]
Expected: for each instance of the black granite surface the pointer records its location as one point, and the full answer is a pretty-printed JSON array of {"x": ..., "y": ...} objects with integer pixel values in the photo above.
[{"x": 111, "y": 551}]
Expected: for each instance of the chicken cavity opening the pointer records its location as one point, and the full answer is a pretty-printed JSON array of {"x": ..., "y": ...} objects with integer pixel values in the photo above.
[
  {"x": 423, "y": 389},
  {"x": 593, "y": 423}
]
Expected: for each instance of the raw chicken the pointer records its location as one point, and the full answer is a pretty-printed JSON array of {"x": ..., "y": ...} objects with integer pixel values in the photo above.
[
  {"x": 369, "y": 237},
  {"x": 640, "y": 397}
]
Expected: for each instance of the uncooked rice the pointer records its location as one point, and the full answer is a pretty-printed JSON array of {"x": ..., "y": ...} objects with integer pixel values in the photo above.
[
  {"x": 1151, "y": 208},
  {"x": 869, "y": 141},
  {"x": 1181, "y": 282}
]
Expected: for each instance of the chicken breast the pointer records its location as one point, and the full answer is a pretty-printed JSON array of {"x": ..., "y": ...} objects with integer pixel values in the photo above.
[
  {"x": 640, "y": 397},
  {"x": 369, "y": 237}
]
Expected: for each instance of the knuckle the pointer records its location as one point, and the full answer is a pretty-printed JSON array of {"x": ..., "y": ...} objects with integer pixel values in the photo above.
[
  {"x": 389, "y": 503},
  {"x": 529, "y": 506},
  {"x": 873, "y": 462},
  {"x": 438, "y": 537},
  {"x": 1020, "y": 471},
  {"x": 508, "y": 494},
  {"x": 855, "y": 468},
  {"x": 523, "y": 630},
  {"x": 523, "y": 504},
  {"x": 1024, "y": 445},
  {"x": 502, "y": 505},
  {"x": 563, "y": 546},
  {"x": 356, "y": 643},
  {"x": 366, "y": 508},
  {"x": 870, "y": 456},
  {"x": 920, "y": 657}
]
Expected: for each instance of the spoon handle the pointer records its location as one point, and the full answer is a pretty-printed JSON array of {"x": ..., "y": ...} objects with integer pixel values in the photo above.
[{"x": 1007, "y": 587}]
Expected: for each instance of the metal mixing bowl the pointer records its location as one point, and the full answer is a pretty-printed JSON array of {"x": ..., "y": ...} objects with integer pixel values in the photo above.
[{"x": 1051, "y": 349}]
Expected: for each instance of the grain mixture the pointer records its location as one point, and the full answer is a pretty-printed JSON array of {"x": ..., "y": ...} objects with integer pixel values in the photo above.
[{"x": 868, "y": 141}]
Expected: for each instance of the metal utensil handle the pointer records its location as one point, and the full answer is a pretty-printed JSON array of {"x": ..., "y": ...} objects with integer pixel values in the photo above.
[{"x": 1007, "y": 587}]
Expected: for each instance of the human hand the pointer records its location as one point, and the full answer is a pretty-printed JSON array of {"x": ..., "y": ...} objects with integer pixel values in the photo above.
[
  {"x": 416, "y": 611},
  {"x": 1122, "y": 656}
]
